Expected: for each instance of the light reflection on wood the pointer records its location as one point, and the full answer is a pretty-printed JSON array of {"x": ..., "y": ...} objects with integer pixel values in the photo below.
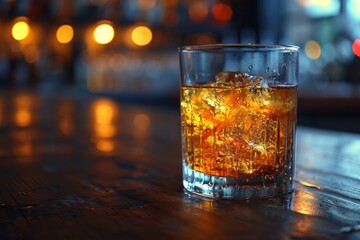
[
  {"x": 105, "y": 145},
  {"x": 302, "y": 204},
  {"x": 23, "y": 111},
  {"x": 105, "y": 114}
]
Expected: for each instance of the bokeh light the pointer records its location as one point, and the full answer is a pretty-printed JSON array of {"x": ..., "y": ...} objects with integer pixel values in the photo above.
[
  {"x": 141, "y": 35},
  {"x": 222, "y": 12},
  {"x": 20, "y": 30},
  {"x": 198, "y": 11},
  {"x": 312, "y": 49},
  {"x": 356, "y": 47},
  {"x": 65, "y": 34},
  {"x": 104, "y": 33}
]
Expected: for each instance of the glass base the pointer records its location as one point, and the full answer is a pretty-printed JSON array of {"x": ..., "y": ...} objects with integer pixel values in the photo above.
[{"x": 237, "y": 188}]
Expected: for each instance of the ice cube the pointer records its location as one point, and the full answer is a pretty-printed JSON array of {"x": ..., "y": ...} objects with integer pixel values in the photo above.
[
  {"x": 261, "y": 95},
  {"x": 259, "y": 86},
  {"x": 224, "y": 77},
  {"x": 259, "y": 83},
  {"x": 237, "y": 79}
]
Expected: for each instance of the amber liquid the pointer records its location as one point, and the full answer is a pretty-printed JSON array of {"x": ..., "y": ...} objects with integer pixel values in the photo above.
[{"x": 238, "y": 131}]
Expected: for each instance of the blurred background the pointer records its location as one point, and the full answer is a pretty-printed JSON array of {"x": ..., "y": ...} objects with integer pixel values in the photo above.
[{"x": 127, "y": 49}]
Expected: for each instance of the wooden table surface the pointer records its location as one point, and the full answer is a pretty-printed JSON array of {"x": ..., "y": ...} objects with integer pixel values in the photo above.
[{"x": 86, "y": 167}]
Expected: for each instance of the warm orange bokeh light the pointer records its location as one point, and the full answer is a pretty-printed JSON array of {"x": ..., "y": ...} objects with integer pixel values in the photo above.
[
  {"x": 21, "y": 29},
  {"x": 356, "y": 47},
  {"x": 141, "y": 35},
  {"x": 198, "y": 11},
  {"x": 312, "y": 49},
  {"x": 222, "y": 12},
  {"x": 65, "y": 34},
  {"x": 104, "y": 33}
]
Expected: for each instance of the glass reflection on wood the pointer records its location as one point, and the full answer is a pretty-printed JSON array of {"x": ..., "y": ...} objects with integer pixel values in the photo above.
[{"x": 105, "y": 114}]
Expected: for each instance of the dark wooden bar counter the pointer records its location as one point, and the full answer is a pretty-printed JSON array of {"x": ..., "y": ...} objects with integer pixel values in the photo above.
[{"x": 87, "y": 167}]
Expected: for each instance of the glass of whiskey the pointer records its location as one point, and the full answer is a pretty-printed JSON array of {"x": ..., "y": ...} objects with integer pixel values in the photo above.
[{"x": 238, "y": 119}]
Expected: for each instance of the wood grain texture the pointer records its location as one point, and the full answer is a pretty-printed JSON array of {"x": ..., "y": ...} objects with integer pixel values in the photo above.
[{"x": 66, "y": 172}]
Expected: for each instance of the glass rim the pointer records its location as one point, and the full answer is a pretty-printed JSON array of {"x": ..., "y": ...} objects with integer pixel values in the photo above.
[{"x": 248, "y": 46}]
